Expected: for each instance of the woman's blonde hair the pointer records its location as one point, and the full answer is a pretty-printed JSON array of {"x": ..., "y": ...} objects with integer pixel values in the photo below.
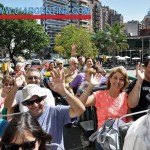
[
  {"x": 8, "y": 78},
  {"x": 123, "y": 72},
  {"x": 90, "y": 71}
]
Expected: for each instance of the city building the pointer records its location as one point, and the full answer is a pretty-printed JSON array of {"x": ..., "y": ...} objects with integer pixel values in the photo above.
[
  {"x": 146, "y": 21},
  {"x": 115, "y": 17},
  {"x": 109, "y": 16},
  {"x": 104, "y": 16},
  {"x": 74, "y": 3},
  {"x": 146, "y": 25},
  {"x": 53, "y": 26},
  {"x": 133, "y": 28},
  {"x": 100, "y": 16}
]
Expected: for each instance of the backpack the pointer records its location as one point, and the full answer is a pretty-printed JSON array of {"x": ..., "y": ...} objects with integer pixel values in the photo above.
[{"x": 107, "y": 136}]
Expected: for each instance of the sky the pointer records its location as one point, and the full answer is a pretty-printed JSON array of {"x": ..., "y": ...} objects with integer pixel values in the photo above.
[{"x": 130, "y": 9}]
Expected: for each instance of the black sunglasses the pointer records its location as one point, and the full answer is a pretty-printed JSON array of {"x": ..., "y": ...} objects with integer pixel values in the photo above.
[
  {"x": 29, "y": 103},
  {"x": 29, "y": 145},
  {"x": 8, "y": 84},
  {"x": 59, "y": 64},
  {"x": 32, "y": 77}
]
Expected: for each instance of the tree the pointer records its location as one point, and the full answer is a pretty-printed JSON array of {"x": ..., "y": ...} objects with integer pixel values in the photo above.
[
  {"x": 100, "y": 38},
  {"x": 111, "y": 39},
  {"x": 18, "y": 35},
  {"x": 117, "y": 39},
  {"x": 70, "y": 35}
]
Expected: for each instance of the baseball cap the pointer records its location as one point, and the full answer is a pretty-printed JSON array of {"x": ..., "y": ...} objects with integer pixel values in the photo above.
[
  {"x": 31, "y": 90},
  {"x": 59, "y": 61}
]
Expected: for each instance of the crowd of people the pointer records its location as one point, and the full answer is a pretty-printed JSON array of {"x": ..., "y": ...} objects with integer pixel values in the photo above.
[{"x": 30, "y": 93}]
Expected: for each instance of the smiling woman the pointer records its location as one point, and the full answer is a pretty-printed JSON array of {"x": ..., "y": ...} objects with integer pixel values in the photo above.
[
  {"x": 24, "y": 132},
  {"x": 109, "y": 103}
]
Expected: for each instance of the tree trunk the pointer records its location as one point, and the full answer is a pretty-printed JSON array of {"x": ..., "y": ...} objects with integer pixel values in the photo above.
[
  {"x": 11, "y": 55},
  {"x": 114, "y": 61}
]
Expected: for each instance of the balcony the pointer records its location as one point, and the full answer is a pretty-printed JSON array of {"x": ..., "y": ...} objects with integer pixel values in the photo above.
[
  {"x": 57, "y": 22},
  {"x": 65, "y": 2},
  {"x": 86, "y": 1}
]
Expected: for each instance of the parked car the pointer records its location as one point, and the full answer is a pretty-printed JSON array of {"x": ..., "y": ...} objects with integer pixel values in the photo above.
[{"x": 36, "y": 63}]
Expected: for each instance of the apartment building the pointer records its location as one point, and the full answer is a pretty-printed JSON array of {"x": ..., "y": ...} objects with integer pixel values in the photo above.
[
  {"x": 133, "y": 28},
  {"x": 96, "y": 15},
  {"x": 84, "y": 22},
  {"x": 146, "y": 25},
  {"x": 115, "y": 17},
  {"x": 146, "y": 21},
  {"x": 100, "y": 16},
  {"x": 53, "y": 26},
  {"x": 109, "y": 16},
  {"x": 104, "y": 16}
]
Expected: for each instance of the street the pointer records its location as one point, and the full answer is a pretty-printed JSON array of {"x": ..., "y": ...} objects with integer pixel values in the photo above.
[{"x": 131, "y": 73}]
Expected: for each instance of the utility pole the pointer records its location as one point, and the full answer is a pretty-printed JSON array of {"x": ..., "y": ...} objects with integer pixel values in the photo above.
[{"x": 142, "y": 48}]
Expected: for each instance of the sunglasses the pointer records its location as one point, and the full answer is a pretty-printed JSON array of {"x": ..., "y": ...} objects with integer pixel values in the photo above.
[
  {"x": 12, "y": 74},
  {"x": 29, "y": 145},
  {"x": 37, "y": 101},
  {"x": 59, "y": 64},
  {"x": 79, "y": 59},
  {"x": 8, "y": 84},
  {"x": 32, "y": 77}
]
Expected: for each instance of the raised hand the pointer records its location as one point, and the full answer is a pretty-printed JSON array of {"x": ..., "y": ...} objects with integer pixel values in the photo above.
[
  {"x": 98, "y": 63},
  {"x": 95, "y": 79},
  {"x": 18, "y": 82},
  {"x": 73, "y": 50},
  {"x": 140, "y": 72},
  {"x": 58, "y": 81}
]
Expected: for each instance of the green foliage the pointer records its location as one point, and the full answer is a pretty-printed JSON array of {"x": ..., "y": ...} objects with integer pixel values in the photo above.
[
  {"x": 117, "y": 38},
  {"x": 23, "y": 34},
  {"x": 110, "y": 40},
  {"x": 73, "y": 35}
]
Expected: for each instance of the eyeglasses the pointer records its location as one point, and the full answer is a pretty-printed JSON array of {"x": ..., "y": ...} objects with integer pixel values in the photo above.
[
  {"x": 8, "y": 84},
  {"x": 59, "y": 64},
  {"x": 79, "y": 59},
  {"x": 29, "y": 103},
  {"x": 32, "y": 77},
  {"x": 12, "y": 74},
  {"x": 29, "y": 145}
]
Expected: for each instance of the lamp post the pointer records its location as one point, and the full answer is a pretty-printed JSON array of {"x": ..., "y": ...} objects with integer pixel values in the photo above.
[
  {"x": 130, "y": 57},
  {"x": 149, "y": 45},
  {"x": 140, "y": 55},
  {"x": 142, "y": 48}
]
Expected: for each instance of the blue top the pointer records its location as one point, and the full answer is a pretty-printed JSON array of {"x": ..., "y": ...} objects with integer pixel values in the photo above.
[
  {"x": 53, "y": 120},
  {"x": 3, "y": 125}
]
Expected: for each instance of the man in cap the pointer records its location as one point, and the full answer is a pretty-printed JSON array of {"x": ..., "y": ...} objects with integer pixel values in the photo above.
[
  {"x": 59, "y": 64},
  {"x": 52, "y": 118}
]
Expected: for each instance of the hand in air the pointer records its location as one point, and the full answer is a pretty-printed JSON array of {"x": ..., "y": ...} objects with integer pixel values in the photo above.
[
  {"x": 58, "y": 81},
  {"x": 95, "y": 79},
  {"x": 140, "y": 72},
  {"x": 73, "y": 50}
]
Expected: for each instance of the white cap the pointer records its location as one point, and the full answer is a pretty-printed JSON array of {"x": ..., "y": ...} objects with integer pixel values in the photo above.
[{"x": 31, "y": 90}]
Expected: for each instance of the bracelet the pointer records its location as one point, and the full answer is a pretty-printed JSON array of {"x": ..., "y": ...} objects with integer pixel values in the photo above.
[
  {"x": 67, "y": 95},
  {"x": 87, "y": 94}
]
